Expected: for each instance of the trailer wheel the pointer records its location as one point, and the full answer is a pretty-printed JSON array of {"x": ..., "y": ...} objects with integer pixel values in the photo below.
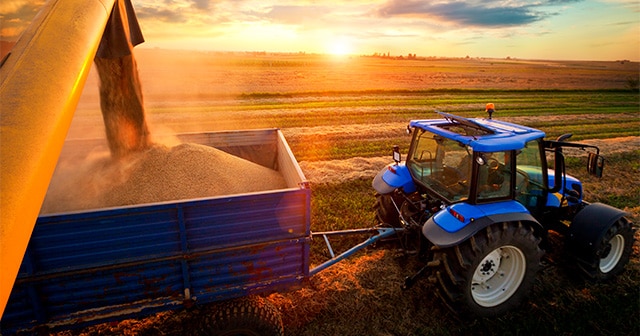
[
  {"x": 247, "y": 316},
  {"x": 490, "y": 273}
]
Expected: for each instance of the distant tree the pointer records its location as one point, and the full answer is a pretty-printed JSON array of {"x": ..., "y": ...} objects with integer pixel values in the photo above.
[{"x": 633, "y": 83}]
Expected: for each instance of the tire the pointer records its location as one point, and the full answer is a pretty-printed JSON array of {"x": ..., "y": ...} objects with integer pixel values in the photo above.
[
  {"x": 612, "y": 253},
  {"x": 490, "y": 273},
  {"x": 248, "y": 316},
  {"x": 386, "y": 211}
]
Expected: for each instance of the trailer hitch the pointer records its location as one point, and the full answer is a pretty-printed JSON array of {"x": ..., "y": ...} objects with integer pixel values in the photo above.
[
  {"x": 377, "y": 234},
  {"x": 411, "y": 280}
]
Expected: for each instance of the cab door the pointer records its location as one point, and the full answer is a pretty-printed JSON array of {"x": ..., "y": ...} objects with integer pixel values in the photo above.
[{"x": 531, "y": 181}]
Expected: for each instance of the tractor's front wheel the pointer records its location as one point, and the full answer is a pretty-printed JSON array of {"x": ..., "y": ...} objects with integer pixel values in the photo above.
[
  {"x": 611, "y": 254},
  {"x": 490, "y": 273},
  {"x": 600, "y": 239}
]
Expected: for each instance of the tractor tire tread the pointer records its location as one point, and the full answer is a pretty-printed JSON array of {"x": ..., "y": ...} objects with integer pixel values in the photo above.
[
  {"x": 251, "y": 315},
  {"x": 457, "y": 264}
]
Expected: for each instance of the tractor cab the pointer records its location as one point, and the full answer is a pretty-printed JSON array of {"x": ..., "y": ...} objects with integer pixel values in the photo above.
[{"x": 478, "y": 161}]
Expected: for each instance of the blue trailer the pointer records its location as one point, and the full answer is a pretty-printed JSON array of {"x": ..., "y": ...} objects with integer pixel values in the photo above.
[{"x": 101, "y": 265}]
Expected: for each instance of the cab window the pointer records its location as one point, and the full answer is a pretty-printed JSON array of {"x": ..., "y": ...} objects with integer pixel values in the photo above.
[
  {"x": 494, "y": 176},
  {"x": 530, "y": 175},
  {"x": 442, "y": 165}
]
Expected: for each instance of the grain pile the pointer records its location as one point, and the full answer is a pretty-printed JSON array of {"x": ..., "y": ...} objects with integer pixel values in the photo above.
[{"x": 158, "y": 174}]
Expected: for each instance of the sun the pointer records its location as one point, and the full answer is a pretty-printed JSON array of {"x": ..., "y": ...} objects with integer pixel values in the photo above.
[{"x": 340, "y": 47}]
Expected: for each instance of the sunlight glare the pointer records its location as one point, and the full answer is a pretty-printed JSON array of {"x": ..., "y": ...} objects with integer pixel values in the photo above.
[{"x": 340, "y": 47}]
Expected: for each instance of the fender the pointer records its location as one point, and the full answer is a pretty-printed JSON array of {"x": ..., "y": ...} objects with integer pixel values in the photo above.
[
  {"x": 457, "y": 222},
  {"x": 589, "y": 227},
  {"x": 392, "y": 177}
]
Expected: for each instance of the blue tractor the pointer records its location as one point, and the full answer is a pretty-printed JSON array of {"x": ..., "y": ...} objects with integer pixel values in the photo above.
[{"x": 476, "y": 198}]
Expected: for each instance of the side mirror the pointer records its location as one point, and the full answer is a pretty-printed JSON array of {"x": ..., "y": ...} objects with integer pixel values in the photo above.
[
  {"x": 595, "y": 164},
  {"x": 396, "y": 154},
  {"x": 564, "y": 137},
  {"x": 408, "y": 130}
]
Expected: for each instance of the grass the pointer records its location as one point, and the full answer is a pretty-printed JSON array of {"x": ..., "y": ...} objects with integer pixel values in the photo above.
[
  {"x": 588, "y": 114},
  {"x": 511, "y": 102},
  {"x": 619, "y": 187}
]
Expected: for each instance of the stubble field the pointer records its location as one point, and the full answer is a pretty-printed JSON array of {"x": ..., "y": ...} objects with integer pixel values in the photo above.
[{"x": 341, "y": 118}]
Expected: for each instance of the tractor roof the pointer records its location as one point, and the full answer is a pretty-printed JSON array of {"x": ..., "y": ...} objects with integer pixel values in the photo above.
[{"x": 483, "y": 135}]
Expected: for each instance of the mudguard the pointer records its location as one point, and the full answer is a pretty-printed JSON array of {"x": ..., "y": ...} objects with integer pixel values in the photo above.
[
  {"x": 589, "y": 227},
  {"x": 392, "y": 177},
  {"x": 459, "y": 221}
]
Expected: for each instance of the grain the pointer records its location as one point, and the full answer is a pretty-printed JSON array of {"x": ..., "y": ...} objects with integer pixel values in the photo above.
[
  {"x": 159, "y": 174},
  {"x": 122, "y": 105}
]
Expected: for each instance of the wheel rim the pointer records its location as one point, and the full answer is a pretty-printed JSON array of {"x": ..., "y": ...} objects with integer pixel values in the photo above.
[
  {"x": 615, "y": 248},
  {"x": 498, "y": 276}
]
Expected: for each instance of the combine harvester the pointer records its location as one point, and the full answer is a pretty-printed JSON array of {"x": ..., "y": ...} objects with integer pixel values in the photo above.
[{"x": 475, "y": 200}]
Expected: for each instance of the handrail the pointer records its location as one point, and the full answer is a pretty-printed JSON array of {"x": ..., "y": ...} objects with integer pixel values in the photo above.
[{"x": 40, "y": 84}]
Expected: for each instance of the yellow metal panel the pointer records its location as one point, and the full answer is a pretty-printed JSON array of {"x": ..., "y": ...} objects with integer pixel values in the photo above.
[{"x": 40, "y": 84}]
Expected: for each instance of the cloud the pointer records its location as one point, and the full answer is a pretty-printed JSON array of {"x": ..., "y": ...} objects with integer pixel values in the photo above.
[
  {"x": 15, "y": 16},
  {"x": 201, "y": 4},
  {"x": 176, "y": 11},
  {"x": 471, "y": 13},
  {"x": 162, "y": 14},
  {"x": 294, "y": 14}
]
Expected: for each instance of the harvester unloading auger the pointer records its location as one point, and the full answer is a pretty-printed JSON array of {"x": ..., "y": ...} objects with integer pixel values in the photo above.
[{"x": 41, "y": 80}]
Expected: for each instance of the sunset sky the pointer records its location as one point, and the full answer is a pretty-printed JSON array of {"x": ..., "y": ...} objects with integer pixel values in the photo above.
[{"x": 543, "y": 29}]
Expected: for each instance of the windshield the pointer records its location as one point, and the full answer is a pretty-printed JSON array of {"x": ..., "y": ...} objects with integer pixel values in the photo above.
[{"x": 442, "y": 165}]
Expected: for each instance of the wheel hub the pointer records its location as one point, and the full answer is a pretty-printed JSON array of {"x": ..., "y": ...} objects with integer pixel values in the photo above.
[
  {"x": 488, "y": 267},
  {"x": 498, "y": 276},
  {"x": 612, "y": 254}
]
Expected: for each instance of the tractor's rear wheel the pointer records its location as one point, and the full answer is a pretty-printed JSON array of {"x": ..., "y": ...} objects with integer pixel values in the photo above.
[
  {"x": 490, "y": 273},
  {"x": 386, "y": 211}
]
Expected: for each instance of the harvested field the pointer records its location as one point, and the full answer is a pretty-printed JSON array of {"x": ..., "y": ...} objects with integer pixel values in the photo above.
[{"x": 341, "y": 120}]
